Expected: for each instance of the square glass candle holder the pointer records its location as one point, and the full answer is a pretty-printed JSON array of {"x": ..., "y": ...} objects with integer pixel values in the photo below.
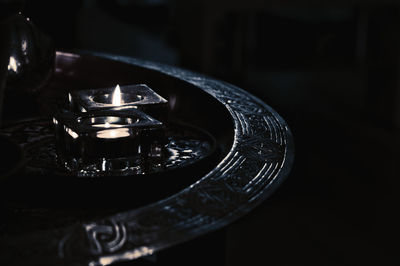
[
  {"x": 109, "y": 142},
  {"x": 138, "y": 96}
]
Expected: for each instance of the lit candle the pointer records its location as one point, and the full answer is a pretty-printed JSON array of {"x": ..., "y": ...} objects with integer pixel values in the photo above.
[
  {"x": 112, "y": 131},
  {"x": 118, "y": 97},
  {"x": 121, "y": 139},
  {"x": 107, "y": 125}
]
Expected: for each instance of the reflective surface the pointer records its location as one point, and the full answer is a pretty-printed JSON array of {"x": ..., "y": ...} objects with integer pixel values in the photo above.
[
  {"x": 13, "y": 160},
  {"x": 184, "y": 145},
  {"x": 109, "y": 142},
  {"x": 30, "y": 55},
  {"x": 251, "y": 168}
]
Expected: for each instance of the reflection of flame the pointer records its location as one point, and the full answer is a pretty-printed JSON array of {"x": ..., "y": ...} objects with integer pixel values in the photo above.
[
  {"x": 24, "y": 45},
  {"x": 12, "y": 65},
  {"x": 107, "y": 125},
  {"x": 116, "y": 98}
]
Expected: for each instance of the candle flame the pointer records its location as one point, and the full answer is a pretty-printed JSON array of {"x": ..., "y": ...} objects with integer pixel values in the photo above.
[{"x": 116, "y": 98}]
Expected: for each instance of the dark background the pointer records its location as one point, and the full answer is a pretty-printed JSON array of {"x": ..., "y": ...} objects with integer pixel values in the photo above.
[{"x": 330, "y": 68}]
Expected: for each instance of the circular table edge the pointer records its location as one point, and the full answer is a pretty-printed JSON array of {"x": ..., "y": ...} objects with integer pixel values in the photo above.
[{"x": 260, "y": 159}]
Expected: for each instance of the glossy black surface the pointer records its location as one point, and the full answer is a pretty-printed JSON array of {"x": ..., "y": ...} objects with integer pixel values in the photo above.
[
  {"x": 31, "y": 55},
  {"x": 328, "y": 67},
  {"x": 27, "y": 58},
  {"x": 13, "y": 160},
  {"x": 256, "y": 153}
]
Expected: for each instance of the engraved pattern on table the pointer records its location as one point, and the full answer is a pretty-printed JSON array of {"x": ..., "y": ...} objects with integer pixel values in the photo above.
[{"x": 240, "y": 178}]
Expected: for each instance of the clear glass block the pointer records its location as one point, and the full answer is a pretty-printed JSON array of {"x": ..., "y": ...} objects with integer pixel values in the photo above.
[
  {"x": 138, "y": 96},
  {"x": 109, "y": 142}
]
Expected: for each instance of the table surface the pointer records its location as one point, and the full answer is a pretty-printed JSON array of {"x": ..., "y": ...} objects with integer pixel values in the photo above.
[{"x": 259, "y": 160}]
